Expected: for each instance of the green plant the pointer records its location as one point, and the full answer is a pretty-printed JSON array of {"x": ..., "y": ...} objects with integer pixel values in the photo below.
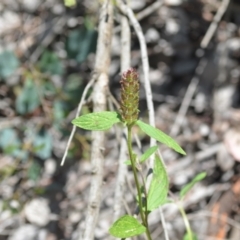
[
  {"x": 189, "y": 235},
  {"x": 156, "y": 195}
]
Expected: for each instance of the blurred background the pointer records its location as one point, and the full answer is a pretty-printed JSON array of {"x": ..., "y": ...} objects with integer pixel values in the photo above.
[{"x": 47, "y": 54}]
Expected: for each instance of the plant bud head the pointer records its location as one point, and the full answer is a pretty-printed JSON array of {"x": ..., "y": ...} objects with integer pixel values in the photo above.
[{"x": 129, "y": 96}]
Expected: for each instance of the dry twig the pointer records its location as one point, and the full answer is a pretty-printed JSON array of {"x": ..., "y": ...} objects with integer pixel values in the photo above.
[
  {"x": 99, "y": 102},
  {"x": 145, "y": 12},
  {"x": 89, "y": 85},
  {"x": 200, "y": 68}
]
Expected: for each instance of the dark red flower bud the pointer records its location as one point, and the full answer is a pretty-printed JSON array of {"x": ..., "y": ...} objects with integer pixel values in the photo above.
[{"x": 129, "y": 96}]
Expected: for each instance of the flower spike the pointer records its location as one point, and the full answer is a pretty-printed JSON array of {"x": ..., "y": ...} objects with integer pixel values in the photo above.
[{"x": 129, "y": 96}]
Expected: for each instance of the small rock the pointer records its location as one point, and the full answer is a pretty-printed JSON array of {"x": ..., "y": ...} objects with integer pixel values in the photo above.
[
  {"x": 200, "y": 102},
  {"x": 58, "y": 9},
  {"x": 14, "y": 204},
  {"x": 72, "y": 22},
  {"x": 8, "y": 20},
  {"x": 25, "y": 232},
  {"x": 152, "y": 35},
  {"x": 232, "y": 143},
  {"x": 37, "y": 211},
  {"x": 233, "y": 45},
  {"x": 50, "y": 167},
  {"x": 74, "y": 217},
  {"x": 172, "y": 26},
  {"x": 180, "y": 179},
  {"x": 173, "y": 2},
  {"x": 224, "y": 160},
  {"x": 31, "y": 5},
  {"x": 137, "y": 5},
  {"x": 204, "y": 130},
  {"x": 223, "y": 99},
  {"x": 155, "y": 76}
]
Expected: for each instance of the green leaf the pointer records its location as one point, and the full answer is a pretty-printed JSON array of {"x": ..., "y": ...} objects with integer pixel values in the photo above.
[
  {"x": 43, "y": 145},
  {"x": 50, "y": 63},
  {"x": 73, "y": 89},
  {"x": 34, "y": 171},
  {"x": 126, "y": 226},
  {"x": 70, "y": 3},
  {"x": 28, "y": 99},
  {"x": 58, "y": 113},
  {"x": 128, "y": 162},
  {"x": 190, "y": 185},
  {"x": 148, "y": 153},
  {"x": 160, "y": 136},
  {"x": 97, "y": 121},
  {"x": 8, "y": 64},
  {"x": 187, "y": 237},
  {"x": 11, "y": 144},
  {"x": 81, "y": 42},
  {"x": 158, "y": 190}
]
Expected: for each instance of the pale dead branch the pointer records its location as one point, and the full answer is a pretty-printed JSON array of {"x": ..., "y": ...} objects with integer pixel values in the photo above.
[
  {"x": 99, "y": 103},
  {"x": 89, "y": 85},
  {"x": 195, "y": 80}
]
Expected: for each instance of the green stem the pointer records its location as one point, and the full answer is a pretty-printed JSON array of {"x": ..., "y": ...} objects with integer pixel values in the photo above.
[
  {"x": 145, "y": 192},
  {"x": 186, "y": 222},
  {"x": 133, "y": 163}
]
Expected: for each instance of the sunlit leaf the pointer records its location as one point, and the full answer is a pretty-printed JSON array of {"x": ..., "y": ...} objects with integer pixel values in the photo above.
[
  {"x": 158, "y": 190},
  {"x": 148, "y": 153},
  {"x": 128, "y": 162},
  {"x": 190, "y": 236},
  {"x": 126, "y": 226},
  {"x": 160, "y": 136},
  {"x": 190, "y": 185},
  {"x": 97, "y": 121},
  {"x": 70, "y": 3}
]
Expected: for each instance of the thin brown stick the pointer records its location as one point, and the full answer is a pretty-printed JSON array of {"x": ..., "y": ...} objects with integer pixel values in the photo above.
[
  {"x": 99, "y": 104},
  {"x": 145, "y": 12},
  {"x": 89, "y": 85},
  {"x": 213, "y": 26},
  {"x": 195, "y": 80}
]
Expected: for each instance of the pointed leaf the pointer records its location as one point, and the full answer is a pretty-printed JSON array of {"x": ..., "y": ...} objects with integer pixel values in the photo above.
[
  {"x": 158, "y": 190},
  {"x": 190, "y": 185},
  {"x": 128, "y": 162},
  {"x": 97, "y": 121},
  {"x": 191, "y": 236},
  {"x": 160, "y": 136},
  {"x": 70, "y": 3},
  {"x": 126, "y": 226},
  {"x": 148, "y": 153}
]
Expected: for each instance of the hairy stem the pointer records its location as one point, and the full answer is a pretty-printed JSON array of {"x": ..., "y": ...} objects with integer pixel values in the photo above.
[
  {"x": 133, "y": 163},
  {"x": 186, "y": 222}
]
